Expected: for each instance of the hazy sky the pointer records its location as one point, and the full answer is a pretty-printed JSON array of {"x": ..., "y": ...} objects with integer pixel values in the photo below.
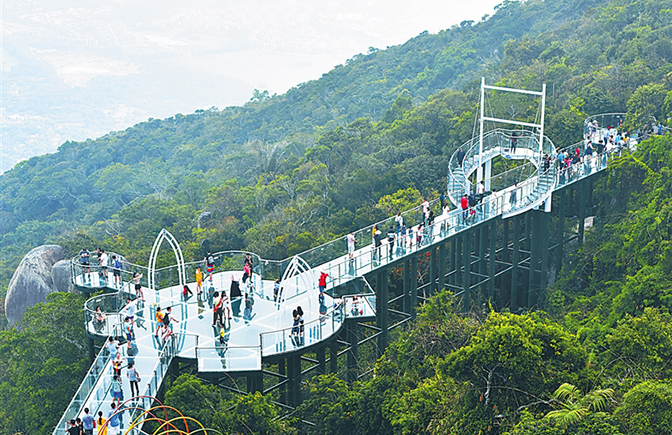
[{"x": 73, "y": 70}]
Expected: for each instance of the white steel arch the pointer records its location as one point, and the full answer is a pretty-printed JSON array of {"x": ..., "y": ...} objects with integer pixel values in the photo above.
[{"x": 179, "y": 258}]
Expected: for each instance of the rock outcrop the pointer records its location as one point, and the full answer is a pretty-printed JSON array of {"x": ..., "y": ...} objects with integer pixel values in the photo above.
[
  {"x": 32, "y": 280},
  {"x": 60, "y": 276}
]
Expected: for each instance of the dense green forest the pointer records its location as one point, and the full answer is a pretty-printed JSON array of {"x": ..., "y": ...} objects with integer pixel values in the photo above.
[
  {"x": 249, "y": 167},
  {"x": 285, "y": 173}
]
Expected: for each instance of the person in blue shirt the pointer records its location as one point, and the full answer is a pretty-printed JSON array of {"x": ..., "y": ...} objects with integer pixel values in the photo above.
[
  {"x": 113, "y": 424},
  {"x": 87, "y": 422}
]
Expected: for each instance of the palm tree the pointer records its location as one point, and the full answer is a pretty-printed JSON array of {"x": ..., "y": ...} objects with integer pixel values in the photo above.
[{"x": 574, "y": 406}]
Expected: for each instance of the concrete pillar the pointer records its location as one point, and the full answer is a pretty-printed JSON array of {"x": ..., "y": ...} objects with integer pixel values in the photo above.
[{"x": 283, "y": 388}]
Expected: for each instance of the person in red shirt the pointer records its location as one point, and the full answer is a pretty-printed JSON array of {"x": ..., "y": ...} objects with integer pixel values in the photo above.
[
  {"x": 322, "y": 283},
  {"x": 464, "y": 202}
]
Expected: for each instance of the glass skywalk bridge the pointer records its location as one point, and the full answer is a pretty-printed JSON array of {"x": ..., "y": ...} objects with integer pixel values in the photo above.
[{"x": 260, "y": 326}]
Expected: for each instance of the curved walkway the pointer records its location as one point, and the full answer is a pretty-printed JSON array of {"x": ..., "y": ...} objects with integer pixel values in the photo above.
[{"x": 261, "y": 327}]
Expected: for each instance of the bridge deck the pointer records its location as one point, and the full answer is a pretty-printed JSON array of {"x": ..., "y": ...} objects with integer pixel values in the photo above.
[{"x": 264, "y": 328}]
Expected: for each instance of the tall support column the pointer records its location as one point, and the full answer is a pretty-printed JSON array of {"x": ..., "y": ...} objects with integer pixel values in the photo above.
[
  {"x": 488, "y": 172},
  {"x": 492, "y": 264},
  {"x": 459, "y": 261},
  {"x": 535, "y": 235},
  {"x": 255, "y": 382},
  {"x": 505, "y": 239},
  {"x": 544, "y": 260},
  {"x": 451, "y": 264},
  {"x": 92, "y": 349},
  {"x": 294, "y": 379},
  {"x": 482, "y": 261},
  {"x": 321, "y": 360},
  {"x": 414, "y": 284},
  {"x": 466, "y": 271},
  {"x": 528, "y": 232},
  {"x": 333, "y": 357},
  {"x": 443, "y": 251},
  {"x": 582, "y": 209},
  {"x": 561, "y": 232},
  {"x": 283, "y": 388},
  {"x": 432, "y": 270},
  {"x": 515, "y": 259},
  {"x": 406, "y": 287},
  {"x": 353, "y": 353},
  {"x": 381, "y": 310}
]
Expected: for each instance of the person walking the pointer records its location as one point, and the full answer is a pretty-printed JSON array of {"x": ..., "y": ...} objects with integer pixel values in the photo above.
[
  {"x": 159, "y": 321},
  {"x": 100, "y": 422},
  {"x": 87, "y": 422},
  {"x": 113, "y": 423},
  {"x": 133, "y": 379},
  {"x": 116, "y": 389},
  {"x": 460, "y": 156}
]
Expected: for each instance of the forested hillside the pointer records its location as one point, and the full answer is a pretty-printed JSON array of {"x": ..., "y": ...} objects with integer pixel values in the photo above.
[
  {"x": 165, "y": 166},
  {"x": 277, "y": 177}
]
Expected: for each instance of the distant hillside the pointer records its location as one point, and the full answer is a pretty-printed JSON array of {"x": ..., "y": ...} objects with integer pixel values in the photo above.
[{"x": 283, "y": 172}]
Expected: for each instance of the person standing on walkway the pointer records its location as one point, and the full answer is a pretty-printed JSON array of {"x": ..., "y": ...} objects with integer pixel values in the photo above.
[
  {"x": 133, "y": 379},
  {"x": 351, "y": 245},
  {"x": 102, "y": 263},
  {"x": 199, "y": 282},
  {"x": 116, "y": 271},
  {"x": 209, "y": 265},
  {"x": 514, "y": 143},
  {"x": 513, "y": 197},
  {"x": 87, "y": 422},
  {"x": 322, "y": 283},
  {"x": 138, "y": 287},
  {"x": 84, "y": 261},
  {"x": 464, "y": 203},
  {"x": 425, "y": 210},
  {"x": 378, "y": 242},
  {"x": 217, "y": 310},
  {"x": 390, "y": 242},
  {"x": 398, "y": 221}
]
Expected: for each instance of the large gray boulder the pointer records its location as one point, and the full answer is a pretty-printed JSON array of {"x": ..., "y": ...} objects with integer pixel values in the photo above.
[
  {"x": 60, "y": 276},
  {"x": 32, "y": 280}
]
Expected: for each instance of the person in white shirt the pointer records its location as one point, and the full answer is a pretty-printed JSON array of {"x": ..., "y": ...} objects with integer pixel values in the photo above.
[{"x": 351, "y": 245}]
